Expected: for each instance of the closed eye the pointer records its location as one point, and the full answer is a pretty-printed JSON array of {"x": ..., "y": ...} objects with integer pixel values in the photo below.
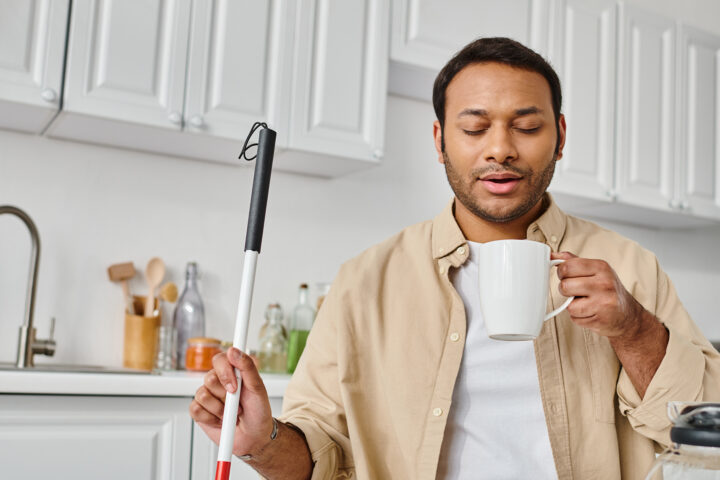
[
  {"x": 528, "y": 130},
  {"x": 475, "y": 132}
]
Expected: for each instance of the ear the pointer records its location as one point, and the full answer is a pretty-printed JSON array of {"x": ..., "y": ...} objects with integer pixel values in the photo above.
[
  {"x": 562, "y": 128},
  {"x": 437, "y": 135}
]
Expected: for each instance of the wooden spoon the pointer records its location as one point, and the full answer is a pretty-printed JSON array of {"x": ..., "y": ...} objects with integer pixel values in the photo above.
[
  {"x": 154, "y": 273},
  {"x": 169, "y": 292}
]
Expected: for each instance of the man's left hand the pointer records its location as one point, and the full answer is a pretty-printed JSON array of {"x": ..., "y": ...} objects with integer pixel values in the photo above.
[{"x": 602, "y": 304}]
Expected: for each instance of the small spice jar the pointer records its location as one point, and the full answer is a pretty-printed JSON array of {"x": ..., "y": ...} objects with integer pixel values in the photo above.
[{"x": 199, "y": 354}]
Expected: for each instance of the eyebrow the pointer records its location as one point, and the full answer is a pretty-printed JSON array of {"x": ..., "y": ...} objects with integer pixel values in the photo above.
[{"x": 481, "y": 112}]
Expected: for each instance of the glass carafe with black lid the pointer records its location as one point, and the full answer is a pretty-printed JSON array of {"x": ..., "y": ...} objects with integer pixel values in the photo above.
[{"x": 695, "y": 450}]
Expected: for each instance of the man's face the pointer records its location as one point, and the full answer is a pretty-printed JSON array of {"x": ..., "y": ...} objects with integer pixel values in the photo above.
[{"x": 500, "y": 140}]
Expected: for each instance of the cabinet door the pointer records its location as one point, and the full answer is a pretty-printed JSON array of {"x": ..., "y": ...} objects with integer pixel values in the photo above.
[
  {"x": 235, "y": 73},
  {"x": 645, "y": 156},
  {"x": 583, "y": 53},
  {"x": 699, "y": 122},
  {"x": 46, "y": 436},
  {"x": 340, "y": 78},
  {"x": 126, "y": 60},
  {"x": 427, "y": 33},
  {"x": 32, "y": 49}
]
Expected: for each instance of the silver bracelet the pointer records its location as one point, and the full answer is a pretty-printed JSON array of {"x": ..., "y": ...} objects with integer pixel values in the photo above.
[{"x": 247, "y": 457}]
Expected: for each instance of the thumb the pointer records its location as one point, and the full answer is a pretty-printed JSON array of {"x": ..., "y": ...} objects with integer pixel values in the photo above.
[{"x": 246, "y": 367}]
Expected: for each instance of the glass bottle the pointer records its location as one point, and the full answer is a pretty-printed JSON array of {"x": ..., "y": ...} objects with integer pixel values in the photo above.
[
  {"x": 270, "y": 310},
  {"x": 301, "y": 322},
  {"x": 272, "y": 354},
  {"x": 189, "y": 318}
]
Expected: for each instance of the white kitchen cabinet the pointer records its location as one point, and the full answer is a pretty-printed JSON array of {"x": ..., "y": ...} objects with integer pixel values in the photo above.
[
  {"x": 189, "y": 78},
  {"x": 109, "y": 426},
  {"x": 126, "y": 61},
  {"x": 32, "y": 45},
  {"x": 339, "y": 85},
  {"x": 698, "y": 123},
  {"x": 236, "y": 73},
  {"x": 86, "y": 437},
  {"x": 583, "y": 54},
  {"x": 645, "y": 156},
  {"x": 427, "y": 33}
]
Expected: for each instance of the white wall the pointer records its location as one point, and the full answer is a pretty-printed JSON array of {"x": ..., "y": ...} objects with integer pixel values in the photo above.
[{"x": 95, "y": 206}]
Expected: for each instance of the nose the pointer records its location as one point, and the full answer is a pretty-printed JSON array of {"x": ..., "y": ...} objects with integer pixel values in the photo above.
[{"x": 499, "y": 146}]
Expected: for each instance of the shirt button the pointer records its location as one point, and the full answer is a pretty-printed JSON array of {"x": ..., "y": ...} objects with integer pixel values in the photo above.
[
  {"x": 441, "y": 270},
  {"x": 553, "y": 238},
  {"x": 441, "y": 250},
  {"x": 461, "y": 250},
  {"x": 554, "y": 408},
  {"x": 437, "y": 411},
  {"x": 454, "y": 336}
]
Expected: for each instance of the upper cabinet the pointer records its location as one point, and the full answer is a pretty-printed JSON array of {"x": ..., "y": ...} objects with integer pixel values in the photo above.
[
  {"x": 646, "y": 155},
  {"x": 583, "y": 54},
  {"x": 698, "y": 174},
  {"x": 32, "y": 48},
  {"x": 235, "y": 68},
  {"x": 427, "y": 33},
  {"x": 126, "y": 61},
  {"x": 190, "y": 78},
  {"x": 641, "y": 103},
  {"x": 339, "y": 84}
]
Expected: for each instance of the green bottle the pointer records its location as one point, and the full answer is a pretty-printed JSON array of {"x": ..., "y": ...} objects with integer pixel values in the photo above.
[{"x": 300, "y": 324}]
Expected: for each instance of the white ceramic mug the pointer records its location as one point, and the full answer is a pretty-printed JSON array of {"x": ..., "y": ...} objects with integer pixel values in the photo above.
[{"x": 514, "y": 278}]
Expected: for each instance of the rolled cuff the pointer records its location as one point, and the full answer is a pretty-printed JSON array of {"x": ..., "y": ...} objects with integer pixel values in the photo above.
[
  {"x": 678, "y": 378},
  {"x": 325, "y": 453}
]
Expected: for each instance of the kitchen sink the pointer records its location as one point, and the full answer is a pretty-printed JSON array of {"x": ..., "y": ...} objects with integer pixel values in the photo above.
[{"x": 72, "y": 368}]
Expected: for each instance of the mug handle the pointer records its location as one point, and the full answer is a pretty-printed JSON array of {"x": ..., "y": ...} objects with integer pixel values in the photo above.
[{"x": 567, "y": 302}]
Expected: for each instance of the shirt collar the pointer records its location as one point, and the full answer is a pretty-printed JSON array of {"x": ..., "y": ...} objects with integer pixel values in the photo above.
[{"x": 447, "y": 236}]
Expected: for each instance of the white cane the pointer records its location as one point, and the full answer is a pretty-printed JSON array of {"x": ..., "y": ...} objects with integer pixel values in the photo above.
[{"x": 253, "y": 239}]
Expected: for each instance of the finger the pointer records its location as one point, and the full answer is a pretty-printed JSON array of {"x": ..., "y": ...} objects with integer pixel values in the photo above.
[
  {"x": 213, "y": 383},
  {"x": 562, "y": 255},
  {"x": 224, "y": 370},
  {"x": 200, "y": 415},
  {"x": 581, "y": 267},
  {"x": 209, "y": 402},
  {"x": 250, "y": 375},
  {"x": 577, "y": 286},
  {"x": 582, "y": 310}
]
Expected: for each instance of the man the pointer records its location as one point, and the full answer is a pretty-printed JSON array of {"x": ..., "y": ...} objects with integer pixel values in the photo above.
[{"x": 399, "y": 379}]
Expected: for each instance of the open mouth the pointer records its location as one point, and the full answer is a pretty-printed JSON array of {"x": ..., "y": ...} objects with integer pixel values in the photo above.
[
  {"x": 502, "y": 180},
  {"x": 500, "y": 184}
]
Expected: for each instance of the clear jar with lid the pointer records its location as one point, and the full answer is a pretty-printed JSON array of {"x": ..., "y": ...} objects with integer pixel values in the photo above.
[
  {"x": 273, "y": 344},
  {"x": 199, "y": 353}
]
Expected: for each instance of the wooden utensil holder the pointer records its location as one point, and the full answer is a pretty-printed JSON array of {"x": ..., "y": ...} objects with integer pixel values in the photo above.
[{"x": 141, "y": 336}]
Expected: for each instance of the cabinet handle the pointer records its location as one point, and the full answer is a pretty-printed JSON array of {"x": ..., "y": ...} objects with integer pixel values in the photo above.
[
  {"x": 684, "y": 205},
  {"x": 378, "y": 154},
  {"x": 612, "y": 195},
  {"x": 197, "y": 121},
  {"x": 175, "y": 118},
  {"x": 674, "y": 204},
  {"x": 49, "y": 95}
]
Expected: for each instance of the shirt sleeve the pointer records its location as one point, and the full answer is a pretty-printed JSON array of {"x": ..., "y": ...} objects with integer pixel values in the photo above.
[
  {"x": 313, "y": 402},
  {"x": 690, "y": 370}
]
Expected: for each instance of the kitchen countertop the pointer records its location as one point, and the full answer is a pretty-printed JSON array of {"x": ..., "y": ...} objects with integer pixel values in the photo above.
[{"x": 166, "y": 384}]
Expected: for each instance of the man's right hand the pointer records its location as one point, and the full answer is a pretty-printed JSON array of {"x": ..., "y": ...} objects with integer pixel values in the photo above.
[{"x": 254, "y": 423}]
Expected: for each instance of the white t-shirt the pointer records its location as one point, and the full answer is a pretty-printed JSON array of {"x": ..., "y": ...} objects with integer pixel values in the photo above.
[{"x": 496, "y": 425}]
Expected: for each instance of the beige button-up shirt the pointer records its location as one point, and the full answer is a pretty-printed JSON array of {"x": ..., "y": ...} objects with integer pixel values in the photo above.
[{"x": 373, "y": 388}]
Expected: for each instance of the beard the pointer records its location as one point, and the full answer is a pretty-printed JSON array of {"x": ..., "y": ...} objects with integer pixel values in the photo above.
[{"x": 462, "y": 187}]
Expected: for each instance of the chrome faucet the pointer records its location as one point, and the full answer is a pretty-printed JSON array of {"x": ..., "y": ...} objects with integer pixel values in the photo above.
[{"x": 28, "y": 345}]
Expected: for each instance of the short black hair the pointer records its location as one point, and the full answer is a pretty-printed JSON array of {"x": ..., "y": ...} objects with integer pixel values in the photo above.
[{"x": 495, "y": 50}]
